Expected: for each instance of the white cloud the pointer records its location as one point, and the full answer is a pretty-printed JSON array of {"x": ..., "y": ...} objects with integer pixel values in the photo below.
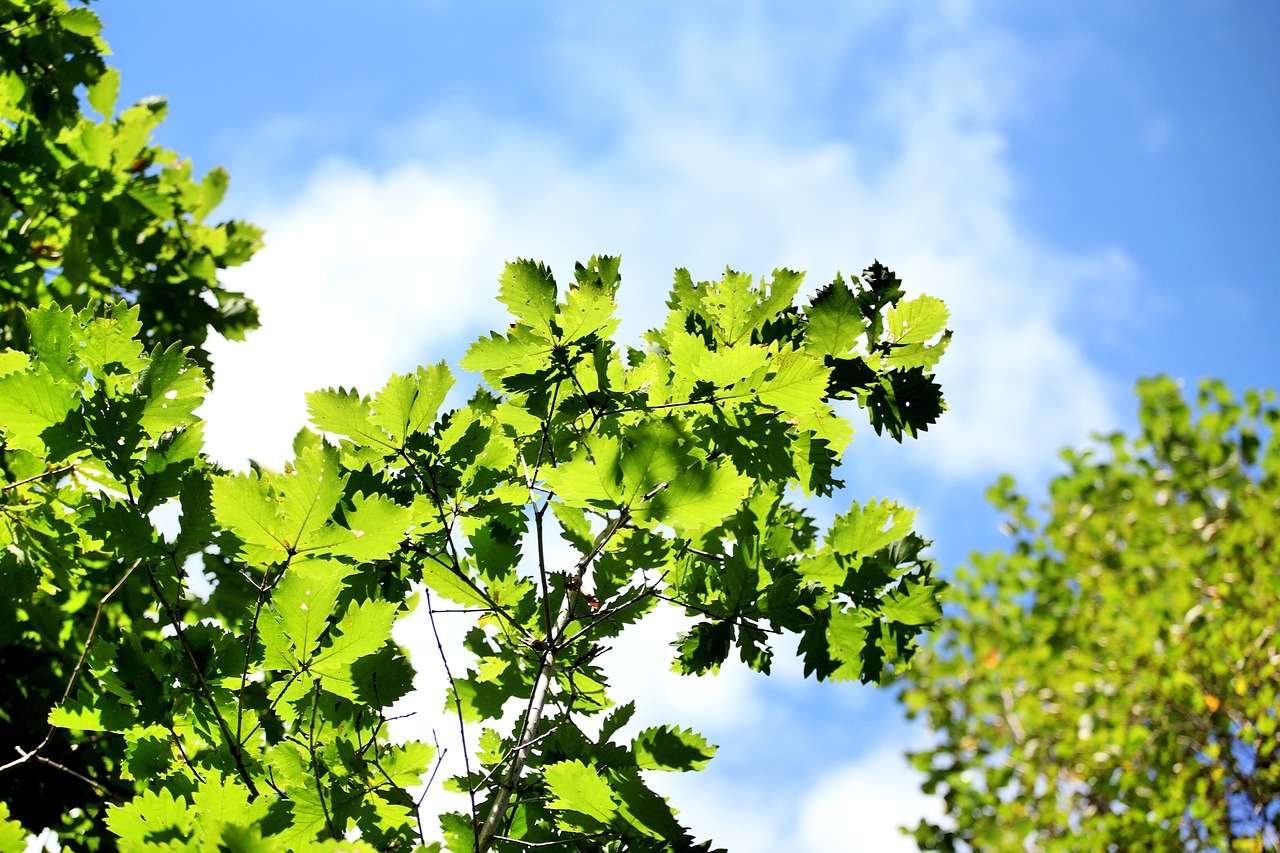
[
  {"x": 851, "y": 807},
  {"x": 859, "y": 807}
]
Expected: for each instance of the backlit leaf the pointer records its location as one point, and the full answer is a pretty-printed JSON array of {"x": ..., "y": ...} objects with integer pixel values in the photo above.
[{"x": 577, "y": 787}]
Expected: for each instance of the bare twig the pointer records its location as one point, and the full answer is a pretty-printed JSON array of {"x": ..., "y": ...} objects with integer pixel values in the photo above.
[
  {"x": 97, "y": 786},
  {"x": 457, "y": 704},
  {"x": 52, "y": 472}
]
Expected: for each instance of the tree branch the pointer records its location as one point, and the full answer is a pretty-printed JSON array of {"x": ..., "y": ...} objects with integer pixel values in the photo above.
[
  {"x": 65, "y": 469},
  {"x": 546, "y": 671},
  {"x": 233, "y": 745}
]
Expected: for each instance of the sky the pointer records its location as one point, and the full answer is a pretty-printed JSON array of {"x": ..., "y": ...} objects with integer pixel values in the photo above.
[{"x": 1091, "y": 187}]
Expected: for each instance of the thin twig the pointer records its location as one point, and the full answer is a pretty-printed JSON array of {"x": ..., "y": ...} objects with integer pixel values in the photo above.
[
  {"x": 735, "y": 618},
  {"x": 315, "y": 761},
  {"x": 65, "y": 469},
  {"x": 548, "y": 733},
  {"x": 263, "y": 589},
  {"x": 609, "y": 614},
  {"x": 457, "y": 704},
  {"x": 75, "y": 672},
  {"x": 233, "y": 745},
  {"x": 97, "y": 786},
  {"x": 417, "y": 806},
  {"x": 542, "y": 568}
]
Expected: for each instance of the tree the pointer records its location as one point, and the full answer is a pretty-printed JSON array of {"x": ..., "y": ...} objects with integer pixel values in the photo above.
[
  {"x": 1111, "y": 682},
  {"x": 255, "y": 719},
  {"x": 90, "y": 212}
]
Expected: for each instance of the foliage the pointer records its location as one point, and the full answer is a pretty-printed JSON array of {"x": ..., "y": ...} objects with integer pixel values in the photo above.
[
  {"x": 90, "y": 212},
  {"x": 666, "y": 470},
  {"x": 1111, "y": 682},
  {"x": 147, "y": 717}
]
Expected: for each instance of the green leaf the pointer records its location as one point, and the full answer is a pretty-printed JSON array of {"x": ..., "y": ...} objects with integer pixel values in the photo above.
[
  {"x": 835, "y": 321},
  {"x": 212, "y": 190},
  {"x": 616, "y": 719},
  {"x": 865, "y": 530},
  {"x": 362, "y": 630},
  {"x": 376, "y": 525},
  {"x": 916, "y": 320},
  {"x": 497, "y": 356},
  {"x": 276, "y": 515},
  {"x": 344, "y": 412},
  {"x": 651, "y": 454},
  {"x": 644, "y": 810},
  {"x": 408, "y": 405},
  {"x": 846, "y": 642},
  {"x": 592, "y": 478},
  {"x": 588, "y": 310},
  {"x": 13, "y": 361},
  {"x": 798, "y": 384},
  {"x": 577, "y": 787},
  {"x": 82, "y": 22},
  {"x": 53, "y": 345},
  {"x": 407, "y": 762},
  {"x": 197, "y": 522},
  {"x": 529, "y": 292},
  {"x": 306, "y": 598},
  {"x": 446, "y": 582},
  {"x": 31, "y": 403},
  {"x": 669, "y": 748},
  {"x": 309, "y": 495},
  {"x": 152, "y": 201},
  {"x": 103, "y": 92},
  {"x": 698, "y": 499},
  {"x": 914, "y": 602},
  {"x": 308, "y": 818},
  {"x": 246, "y": 506},
  {"x": 112, "y": 340},
  {"x": 173, "y": 386},
  {"x": 12, "y": 834},
  {"x": 152, "y": 816},
  {"x": 221, "y": 800},
  {"x": 726, "y": 366},
  {"x": 905, "y": 401}
]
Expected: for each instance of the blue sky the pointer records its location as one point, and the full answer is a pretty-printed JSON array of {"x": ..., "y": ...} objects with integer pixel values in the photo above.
[{"x": 1092, "y": 187}]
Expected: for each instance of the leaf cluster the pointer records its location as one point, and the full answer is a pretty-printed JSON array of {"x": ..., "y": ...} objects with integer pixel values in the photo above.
[
  {"x": 1110, "y": 682},
  {"x": 91, "y": 210},
  {"x": 261, "y": 711}
]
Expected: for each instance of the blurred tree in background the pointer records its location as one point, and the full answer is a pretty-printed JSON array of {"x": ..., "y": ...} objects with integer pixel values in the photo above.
[{"x": 1111, "y": 682}]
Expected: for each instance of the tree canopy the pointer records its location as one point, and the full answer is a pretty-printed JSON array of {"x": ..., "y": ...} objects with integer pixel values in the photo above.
[
  {"x": 1110, "y": 683},
  {"x": 91, "y": 211},
  {"x": 145, "y": 717}
]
